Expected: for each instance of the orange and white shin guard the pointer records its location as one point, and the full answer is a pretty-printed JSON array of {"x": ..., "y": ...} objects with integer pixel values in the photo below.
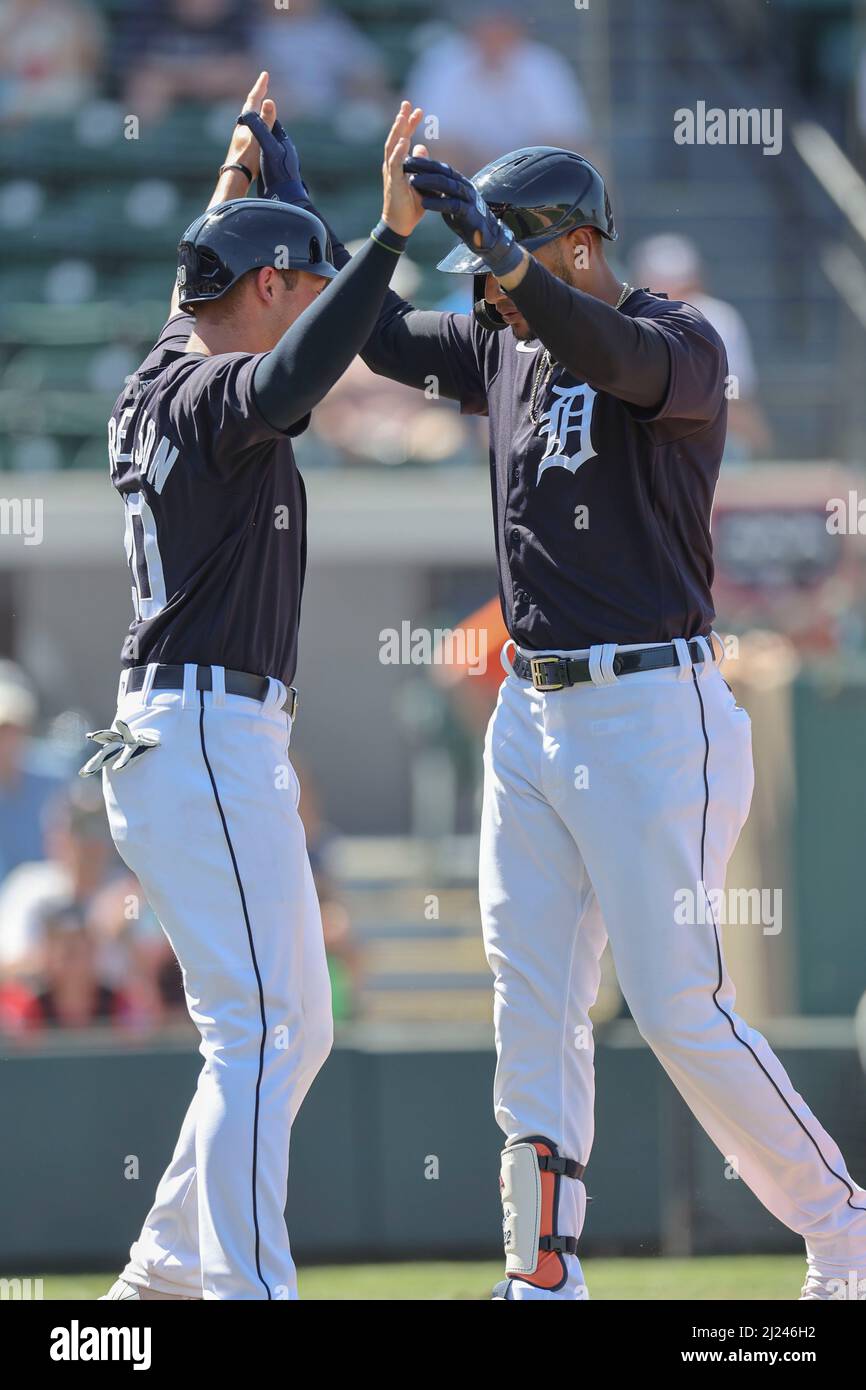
[{"x": 532, "y": 1170}]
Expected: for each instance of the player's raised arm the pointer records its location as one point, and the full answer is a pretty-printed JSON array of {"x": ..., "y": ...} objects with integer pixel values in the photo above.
[
  {"x": 315, "y": 351},
  {"x": 406, "y": 344},
  {"x": 584, "y": 333},
  {"x": 240, "y": 167}
]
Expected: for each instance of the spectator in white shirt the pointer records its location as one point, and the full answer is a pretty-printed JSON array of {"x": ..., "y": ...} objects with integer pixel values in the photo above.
[
  {"x": 25, "y": 788},
  {"x": 321, "y": 66},
  {"x": 671, "y": 264},
  {"x": 82, "y": 885},
  {"x": 492, "y": 89},
  {"x": 50, "y": 58}
]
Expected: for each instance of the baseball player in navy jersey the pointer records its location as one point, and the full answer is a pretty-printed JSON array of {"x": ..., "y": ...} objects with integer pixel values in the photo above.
[
  {"x": 201, "y": 797},
  {"x": 618, "y": 767}
]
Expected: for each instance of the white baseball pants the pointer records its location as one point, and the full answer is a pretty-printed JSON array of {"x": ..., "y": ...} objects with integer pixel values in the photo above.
[
  {"x": 208, "y": 822},
  {"x": 602, "y": 803}
]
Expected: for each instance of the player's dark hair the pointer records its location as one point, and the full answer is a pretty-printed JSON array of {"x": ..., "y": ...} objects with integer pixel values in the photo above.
[{"x": 226, "y": 306}]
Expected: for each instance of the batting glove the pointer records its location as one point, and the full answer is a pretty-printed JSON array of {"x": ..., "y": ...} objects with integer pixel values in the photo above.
[
  {"x": 464, "y": 210},
  {"x": 280, "y": 176}
]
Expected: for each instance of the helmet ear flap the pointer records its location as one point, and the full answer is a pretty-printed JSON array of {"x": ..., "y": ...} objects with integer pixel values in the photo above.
[
  {"x": 484, "y": 313},
  {"x": 487, "y": 317}
]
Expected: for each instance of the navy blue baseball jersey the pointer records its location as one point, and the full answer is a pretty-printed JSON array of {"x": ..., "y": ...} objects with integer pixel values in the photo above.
[
  {"x": 200, "y": 451},
  {"x": 215, "y": 513},
  {"x": 601, "y": 508}
]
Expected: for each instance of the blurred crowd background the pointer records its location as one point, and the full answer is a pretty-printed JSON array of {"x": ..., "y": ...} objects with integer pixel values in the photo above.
[
  {"x": 114, "y": 118},
  {"x": 114, "y": 113}
]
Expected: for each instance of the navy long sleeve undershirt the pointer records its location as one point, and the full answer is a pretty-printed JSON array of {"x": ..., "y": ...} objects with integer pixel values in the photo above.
[
  {"x": 625, "y": 356},
  {"x": 313, "y": 354}
]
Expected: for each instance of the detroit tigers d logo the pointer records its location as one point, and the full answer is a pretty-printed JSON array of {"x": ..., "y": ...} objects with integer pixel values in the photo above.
[{"x": 568, "y": 422}]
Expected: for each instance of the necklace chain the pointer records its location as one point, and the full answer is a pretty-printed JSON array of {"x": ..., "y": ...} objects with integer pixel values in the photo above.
[{"x": 544, "y": 370}]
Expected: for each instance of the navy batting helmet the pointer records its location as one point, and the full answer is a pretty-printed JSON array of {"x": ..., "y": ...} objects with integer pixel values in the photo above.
[
  {"x": 540, "y": 192},
  {"x": 245, "y": 234}
]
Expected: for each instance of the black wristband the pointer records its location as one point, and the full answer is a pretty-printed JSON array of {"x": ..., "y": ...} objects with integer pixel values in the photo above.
[
  {"x": 239, "y": 169},
  {"x": 387, "y": 237}
]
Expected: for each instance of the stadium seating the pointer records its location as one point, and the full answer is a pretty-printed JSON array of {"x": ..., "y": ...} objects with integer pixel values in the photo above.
[{"x": 90, "y": 228}]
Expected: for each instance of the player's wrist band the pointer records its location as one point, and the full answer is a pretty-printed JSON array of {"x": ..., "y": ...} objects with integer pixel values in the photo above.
[
  {"x": 237, "y": 169},
  {"x": 387, "y": 237}
]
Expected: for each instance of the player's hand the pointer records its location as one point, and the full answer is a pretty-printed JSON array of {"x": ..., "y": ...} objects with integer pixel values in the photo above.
[
  {"x": 402, "y": 207},
  {"x": 442, "y": 189},
  {"x": 244, "y": 147},
  {"x": 280, "y": 162}
]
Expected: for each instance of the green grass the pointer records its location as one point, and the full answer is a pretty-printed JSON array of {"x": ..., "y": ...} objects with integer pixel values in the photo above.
[{"x": 740, "y": 1277}]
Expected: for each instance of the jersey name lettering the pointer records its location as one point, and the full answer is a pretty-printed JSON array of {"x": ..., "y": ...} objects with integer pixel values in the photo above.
[{"x": 152, "y": 468}]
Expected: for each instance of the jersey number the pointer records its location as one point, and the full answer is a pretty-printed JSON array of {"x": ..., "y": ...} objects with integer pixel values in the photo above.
[{"x": 142, "y": 552}]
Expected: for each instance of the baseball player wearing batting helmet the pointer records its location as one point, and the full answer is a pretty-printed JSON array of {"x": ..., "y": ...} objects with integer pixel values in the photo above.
[
  {"x": 201, "y": 797},
  {"x": 618, "y": 768}
]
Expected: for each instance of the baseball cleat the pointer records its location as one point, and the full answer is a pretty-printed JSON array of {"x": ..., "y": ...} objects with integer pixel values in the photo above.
[
  {"x": 833, "y": 1288},
  {"x": 121, "y": 1289}
]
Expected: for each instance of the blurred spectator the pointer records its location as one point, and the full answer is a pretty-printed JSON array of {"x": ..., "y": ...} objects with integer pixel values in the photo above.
[
  {"x": 344, "y": 965},
  {"x": 492, "y": 90},
  {"x": 79, "y": 859},
  {"x": 367, "y": 420},
  {"x": 320, "y": 65},
  {"x": 670, "y": 263},
  {"x": 70, "y": 993},
  {"x": 184, "y": 50},
  {"x": 50, "y": 57},
  {"x": 82, "y": 885},
  {"x": 24, "y": 790}
]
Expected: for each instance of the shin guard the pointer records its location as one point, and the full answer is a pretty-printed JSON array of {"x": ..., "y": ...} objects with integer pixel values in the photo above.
[{"x": 532, "y": 1170}]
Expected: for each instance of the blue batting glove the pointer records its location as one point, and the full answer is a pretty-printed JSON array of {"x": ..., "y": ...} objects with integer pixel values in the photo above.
[
  {"x": 464, "y": 210},
  {"x": 280, "y": 164}
]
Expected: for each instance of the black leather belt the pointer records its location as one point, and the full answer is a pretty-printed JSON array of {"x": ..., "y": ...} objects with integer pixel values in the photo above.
[
  {"x": 555, "y": 672},
  {"x": 237, "y": 683}
]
